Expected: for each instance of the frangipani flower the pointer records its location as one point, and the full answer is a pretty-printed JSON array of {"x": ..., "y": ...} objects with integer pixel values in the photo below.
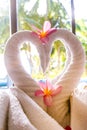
[
  {"x": 45, "y": 32},
  {"x": 47, "y": 91}
]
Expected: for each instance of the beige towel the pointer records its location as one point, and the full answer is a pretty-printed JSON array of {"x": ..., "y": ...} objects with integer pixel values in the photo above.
[
  {"x": 79, "y": 109},
  {"x": 19, "y": 112},
  {"x": 4, "y": 104}
]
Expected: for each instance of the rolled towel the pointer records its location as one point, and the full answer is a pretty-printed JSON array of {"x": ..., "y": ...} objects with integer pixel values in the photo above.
[
  {"x": 4, "y": 104},
  {"x": 17, "y": 119},
  {"x": 37, "y": 116}
]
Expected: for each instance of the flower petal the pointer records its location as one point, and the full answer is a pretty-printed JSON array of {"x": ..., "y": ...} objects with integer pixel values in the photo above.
[
  {"x": 48, "y": 100},
  {"x": 56, "y": 91},
  {"x": 49, "y": 85},
  {"x": 35, "y": 29},
  {"x": 68, "y": 128},
  {"x": 42, "y": 85},
  {"x": 51, "y": 31},
  {"x": 34, "y": 34},
  {"x": 44, "y": 40},
  {"x": 39, "y": 93},
  {"x": 46, "y": 26}
]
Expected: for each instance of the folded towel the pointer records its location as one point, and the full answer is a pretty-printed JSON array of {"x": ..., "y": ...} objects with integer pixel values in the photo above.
[
  {"x": 4, "y": 104},
  {"x": 79, "y": 109},
  {"x": 17, "y": 119},
  {"x": 19, "y": 112}
]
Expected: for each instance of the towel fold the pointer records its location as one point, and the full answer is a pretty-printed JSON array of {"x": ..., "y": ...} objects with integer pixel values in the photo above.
[
  {"x": 4, "y": 104},
  {"x": 19, "y": 112},
  {"x": 17, "y": 118},
  {"x": 79, "y": 109}
]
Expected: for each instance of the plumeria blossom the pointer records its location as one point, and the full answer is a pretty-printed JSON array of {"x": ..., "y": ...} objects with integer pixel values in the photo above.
[
  {"x": 47, "y": 91},
  {"x": 45, "y": 32}
]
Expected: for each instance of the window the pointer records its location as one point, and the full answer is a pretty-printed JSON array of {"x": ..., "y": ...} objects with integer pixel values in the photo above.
[
  {"x": 23, "y": 13},
  {"x": 4, "y": 32}
]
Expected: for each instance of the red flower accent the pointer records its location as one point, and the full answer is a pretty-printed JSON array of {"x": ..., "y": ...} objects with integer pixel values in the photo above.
[
  {"x": 47, "y": 91},
  {"x": 45, "y": 32},
  {"x": 68, "y": 128}
]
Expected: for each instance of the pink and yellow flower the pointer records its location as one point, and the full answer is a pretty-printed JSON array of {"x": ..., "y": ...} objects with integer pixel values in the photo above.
[
  {"x": 45, "y": 32},
  {"x": 47, "y": 91}
]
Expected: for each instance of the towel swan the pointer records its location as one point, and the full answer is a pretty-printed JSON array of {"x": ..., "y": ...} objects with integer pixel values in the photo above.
[{"x": 69, "y": 78}]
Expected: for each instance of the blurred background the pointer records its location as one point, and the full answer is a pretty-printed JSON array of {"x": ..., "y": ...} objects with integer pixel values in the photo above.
[{"x": 16, "y": 15}]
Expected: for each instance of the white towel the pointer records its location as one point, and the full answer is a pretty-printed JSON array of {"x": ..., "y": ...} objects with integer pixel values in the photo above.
[
  {"x": 79, "y": 109},
  {"x": 4, "y": 104},
  {"x": 19, "y": 112}
]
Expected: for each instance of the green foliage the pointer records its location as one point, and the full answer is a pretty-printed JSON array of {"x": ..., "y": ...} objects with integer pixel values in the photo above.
[
  {"x": 55, "y": 13},
  {"x": 4, "y": 26},
  {"x": 81, "y": 32},
  {"x": 4, "y": 32}
]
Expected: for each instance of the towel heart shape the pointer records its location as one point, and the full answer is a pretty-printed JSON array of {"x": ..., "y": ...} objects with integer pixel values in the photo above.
[{"x": 69, "y": 78}]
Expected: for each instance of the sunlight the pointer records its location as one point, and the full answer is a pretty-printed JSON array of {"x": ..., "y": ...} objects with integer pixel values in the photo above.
[
  {"x": 42, "y": 8},
  {"x": 29, "y": 5},
  {"x": 80, "y": 8},
  {"x": 3, "y": 71},
  {"x": 3, "y": 6},
  {"x": 3, "y": 3}
]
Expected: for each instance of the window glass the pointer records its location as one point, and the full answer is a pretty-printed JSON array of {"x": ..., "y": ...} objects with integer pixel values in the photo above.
[
  {"x": 4, "y": 23},
  {"x": 4, "y": 34},
  {"x": 36, "y": 12},
  {"x": 81, "y": 24}
]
